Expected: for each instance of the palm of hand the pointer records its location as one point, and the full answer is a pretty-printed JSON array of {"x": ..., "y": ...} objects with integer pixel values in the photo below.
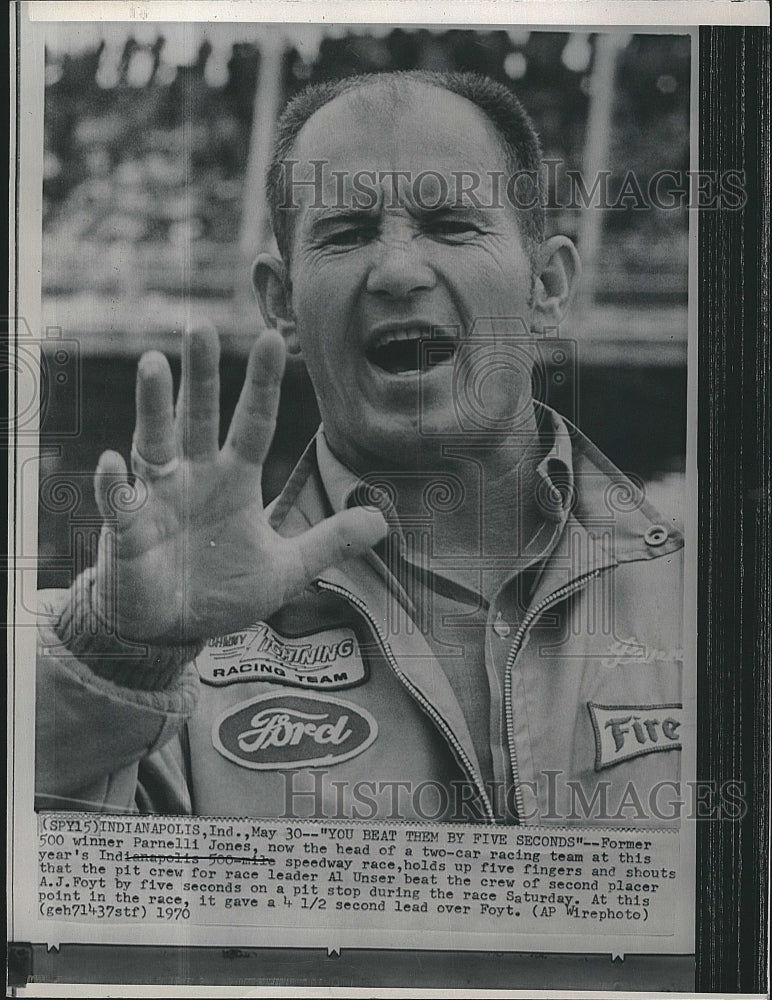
[{"x": 191, "y": 554}]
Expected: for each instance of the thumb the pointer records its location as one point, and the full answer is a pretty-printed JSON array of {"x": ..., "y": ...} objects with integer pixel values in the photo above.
[{"x": 342, "y": 536}]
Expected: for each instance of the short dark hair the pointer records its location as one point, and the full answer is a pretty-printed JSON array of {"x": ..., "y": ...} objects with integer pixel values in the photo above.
[{"x": 521, "y": 146}]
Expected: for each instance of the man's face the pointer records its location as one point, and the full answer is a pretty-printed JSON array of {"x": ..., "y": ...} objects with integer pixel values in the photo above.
[{"x": 369, "y": 282}]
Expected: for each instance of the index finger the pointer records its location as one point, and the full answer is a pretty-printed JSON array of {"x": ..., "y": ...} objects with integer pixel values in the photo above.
[{"x": 254, "y": 420}]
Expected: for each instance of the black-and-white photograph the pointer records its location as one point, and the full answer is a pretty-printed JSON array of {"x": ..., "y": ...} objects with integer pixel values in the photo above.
[
  {"x": 382, "y": 340},
  {"x": 355, "y": 500}
]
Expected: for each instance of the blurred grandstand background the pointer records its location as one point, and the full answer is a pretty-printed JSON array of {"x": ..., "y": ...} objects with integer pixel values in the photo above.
[{"x": 155, "y": 143}]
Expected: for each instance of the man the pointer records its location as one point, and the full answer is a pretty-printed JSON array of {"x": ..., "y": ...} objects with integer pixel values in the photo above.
[{"x": 508, "y": 652}]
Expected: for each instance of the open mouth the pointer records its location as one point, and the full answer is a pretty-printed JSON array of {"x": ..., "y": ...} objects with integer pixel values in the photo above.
[{"x": 406, "y": 351}]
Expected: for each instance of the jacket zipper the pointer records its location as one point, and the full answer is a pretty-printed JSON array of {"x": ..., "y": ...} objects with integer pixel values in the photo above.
[
  {"x": 565, "y": 591},
  {"x": 448, "y": 733}
]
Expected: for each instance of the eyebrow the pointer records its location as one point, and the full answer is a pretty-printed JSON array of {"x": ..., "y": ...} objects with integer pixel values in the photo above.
[
  {"x": 324, "y": 218},
  {"x": 332, "y": 216},
  {"x": 466, "y": 211}
]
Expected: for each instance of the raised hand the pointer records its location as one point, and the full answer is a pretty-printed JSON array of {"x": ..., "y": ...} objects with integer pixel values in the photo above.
[{"x": 195, "y": 556}]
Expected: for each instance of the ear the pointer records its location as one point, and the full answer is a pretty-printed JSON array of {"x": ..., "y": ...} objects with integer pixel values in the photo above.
[
  {"x": 274, "y": 296},
  {"x": 557, "y": 274}
]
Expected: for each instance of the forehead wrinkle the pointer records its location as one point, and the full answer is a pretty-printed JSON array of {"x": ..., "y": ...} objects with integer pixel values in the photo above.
[
  {"x": 388, "y": 99},
  {"x": 407, "y": 94}
]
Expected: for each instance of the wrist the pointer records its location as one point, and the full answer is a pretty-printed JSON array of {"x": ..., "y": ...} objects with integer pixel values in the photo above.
[{"x": 88, "y": 632}]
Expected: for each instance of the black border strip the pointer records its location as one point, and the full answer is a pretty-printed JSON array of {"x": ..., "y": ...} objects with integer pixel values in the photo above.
[{"x": 734, "y": 506}]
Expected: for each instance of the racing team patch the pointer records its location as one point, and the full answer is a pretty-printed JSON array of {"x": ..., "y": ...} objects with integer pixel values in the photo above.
[
  {"x": 329, "y": 659},
  {"x": 275, "y": 731},
  {"x": 626, "y": 731}
]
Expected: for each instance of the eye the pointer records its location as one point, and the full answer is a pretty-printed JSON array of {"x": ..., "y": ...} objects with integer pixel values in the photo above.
[
  {"x": 451, "y": 228},
  {"x": 350, "y": 236}
]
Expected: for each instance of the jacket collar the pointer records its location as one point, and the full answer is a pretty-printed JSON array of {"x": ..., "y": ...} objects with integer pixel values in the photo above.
[
  {"x": 610, "y": 522},
  {"x": 554, "y": 472},
  {"x": 610, "y": 519}
]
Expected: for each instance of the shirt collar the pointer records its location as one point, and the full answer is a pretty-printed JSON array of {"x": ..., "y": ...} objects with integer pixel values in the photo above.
[
  {"x": 555, "y": 474},
  {"x": 338, "y": 480}
]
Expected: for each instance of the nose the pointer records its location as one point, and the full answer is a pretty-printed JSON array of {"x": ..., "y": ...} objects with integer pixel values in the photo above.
[{"x": 399, "y": 268}]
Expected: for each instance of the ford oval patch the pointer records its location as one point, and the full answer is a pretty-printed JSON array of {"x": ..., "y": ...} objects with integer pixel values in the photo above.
[{"x": 276, "y": 731}]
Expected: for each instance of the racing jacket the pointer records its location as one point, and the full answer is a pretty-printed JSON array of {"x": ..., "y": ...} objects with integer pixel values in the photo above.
[{"x": 333, "y": 709}]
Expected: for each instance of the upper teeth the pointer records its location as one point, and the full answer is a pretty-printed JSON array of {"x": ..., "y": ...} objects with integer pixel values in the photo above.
[{"x": 389, "y": 336}]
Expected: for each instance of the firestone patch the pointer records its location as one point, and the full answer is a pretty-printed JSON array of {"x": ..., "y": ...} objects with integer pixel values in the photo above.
[{"x": 623, "y": 732}]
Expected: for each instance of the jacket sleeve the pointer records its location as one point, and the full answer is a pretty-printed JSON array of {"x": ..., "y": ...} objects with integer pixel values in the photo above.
[{"x": 93, "y": 734}]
